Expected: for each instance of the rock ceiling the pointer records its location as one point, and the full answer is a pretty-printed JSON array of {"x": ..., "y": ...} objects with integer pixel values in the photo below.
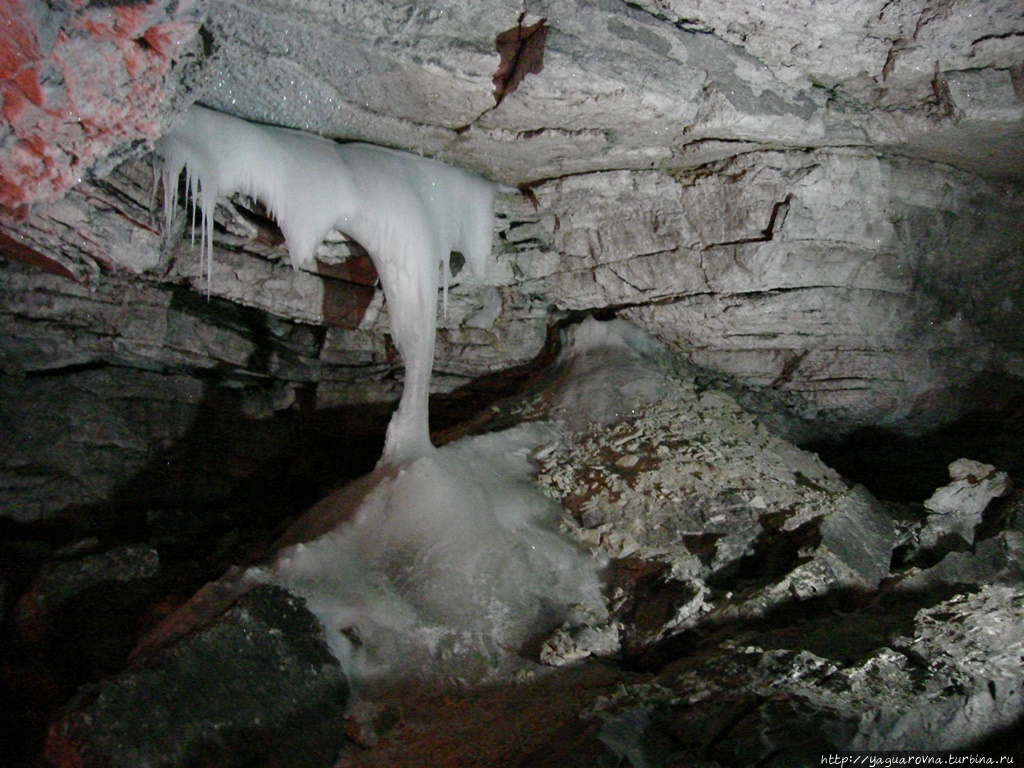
[{"x": 821, "y": 199}]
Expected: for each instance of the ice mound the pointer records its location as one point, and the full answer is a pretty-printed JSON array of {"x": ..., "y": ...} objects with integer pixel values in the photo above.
[
  {"x": 449, "y": 564},
  {"x": 606, "y": 371}
]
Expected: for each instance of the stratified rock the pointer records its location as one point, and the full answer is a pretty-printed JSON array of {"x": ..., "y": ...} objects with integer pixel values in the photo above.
[
  {"x": 845, "y": 314},
  {"x": 258, "y": 685},
  {"x": 734, "y": 190},
  {"x": 705, "y": 79}
]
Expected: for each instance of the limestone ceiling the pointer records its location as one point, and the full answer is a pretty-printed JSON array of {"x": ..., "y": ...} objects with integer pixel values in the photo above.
[
  {"x": 667, "y": 144},
  {"x": 654, "y": 84},
  {"x": 649, "y": 84}
]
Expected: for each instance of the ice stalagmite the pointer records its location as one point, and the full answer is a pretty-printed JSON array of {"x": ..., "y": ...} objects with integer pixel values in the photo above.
[{"x": 408, "y": 212}]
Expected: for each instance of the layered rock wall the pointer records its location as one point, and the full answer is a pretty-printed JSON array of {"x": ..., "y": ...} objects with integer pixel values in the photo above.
[
  {"x": 868, "y": 288},
  {"x": 823, "y": 204}
]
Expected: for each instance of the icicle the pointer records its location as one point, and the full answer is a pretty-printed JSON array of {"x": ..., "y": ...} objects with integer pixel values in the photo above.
[
  {"x": 446, "y": 271},
  {"x": 208, "y": 210},
  {"x": 190, "y": 186},
  {"x": 408, "y": 212},
  {"x": 170, "y": 196}
]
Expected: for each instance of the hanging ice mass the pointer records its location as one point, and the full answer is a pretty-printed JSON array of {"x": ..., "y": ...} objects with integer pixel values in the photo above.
[
  {"x": 408, "y": 212},
  {"x": 441, "y": 561}
]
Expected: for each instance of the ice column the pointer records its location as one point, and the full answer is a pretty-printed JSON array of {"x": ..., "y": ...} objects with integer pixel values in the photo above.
[{"x": 408, "y": 212}]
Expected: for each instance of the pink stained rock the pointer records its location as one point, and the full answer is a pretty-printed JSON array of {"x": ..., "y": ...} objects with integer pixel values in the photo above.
[{"x": 101, "y": 84}]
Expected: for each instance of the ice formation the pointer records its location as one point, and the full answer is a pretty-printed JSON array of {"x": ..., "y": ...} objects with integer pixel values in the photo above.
[
  {"x": 407, "y": 211},
  {"x": 449, "y": 564},
  {"x": 441, "y": 561},
  {"x": 446, "y": 567}
]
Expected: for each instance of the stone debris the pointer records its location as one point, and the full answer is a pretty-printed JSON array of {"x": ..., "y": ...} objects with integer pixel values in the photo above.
[
  {"x": 258, "y": 684},
  {"x": 996, "y": 560},
  {"x": 956, "y": 509},
  {"x": 753, "y": 616},
  {"x": 61, "y": 582},
  {"x": 690, "y": 465},
  {"x": 571, "y": 644},
  {"x": 693, "y": 481},
  {"x": 953, "y": 680},
  {"x": 367, "y": 722}
]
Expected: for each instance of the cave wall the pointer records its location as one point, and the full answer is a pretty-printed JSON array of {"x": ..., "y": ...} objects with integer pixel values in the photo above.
[
  {"x": 822, "y": 204},
  {"x": 852, "y": 290},
  {"x": 869, "y": 289}
]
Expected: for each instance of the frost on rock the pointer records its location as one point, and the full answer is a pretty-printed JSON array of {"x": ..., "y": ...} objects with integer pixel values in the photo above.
[
  {"x": 407, "y": 211},
  {"x": 690, "y": 479}
]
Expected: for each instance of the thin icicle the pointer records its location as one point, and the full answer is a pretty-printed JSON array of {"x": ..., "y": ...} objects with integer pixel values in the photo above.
[
  {"x": 208, "y": 209},
  {"x": 170, "y": 197},
  {"x": 445, "y": 275},
  {"x": 190, "y": 186}
]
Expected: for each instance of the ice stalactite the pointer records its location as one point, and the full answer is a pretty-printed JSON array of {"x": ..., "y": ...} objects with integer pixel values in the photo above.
[
  {"x": 440, "y": 562},
  {"x": 407, "y": 211}
]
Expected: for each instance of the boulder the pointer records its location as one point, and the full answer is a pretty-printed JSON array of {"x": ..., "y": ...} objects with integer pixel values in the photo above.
[{"x": 256, "y": 684}]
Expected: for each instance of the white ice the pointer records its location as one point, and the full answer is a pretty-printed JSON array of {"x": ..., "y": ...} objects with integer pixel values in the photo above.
[
  {"x": 440, "y": 562},
  {"x": 452, "y": 564},
  {"x": 449, "y": 564},
  {"x": 408, "y": 212},
  {"x": 446, "y": 567},
  {"x": 607, "y": 369}
]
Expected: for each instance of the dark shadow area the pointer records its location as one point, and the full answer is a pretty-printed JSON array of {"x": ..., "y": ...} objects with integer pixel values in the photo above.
[
  {"x": 774, "y": 553},
  {"x": 220, "y": 494},
  {"x": 899, "y": 468},
  {"x": 468, "y": 409},
  {"x": 1006, "y": 743}
]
